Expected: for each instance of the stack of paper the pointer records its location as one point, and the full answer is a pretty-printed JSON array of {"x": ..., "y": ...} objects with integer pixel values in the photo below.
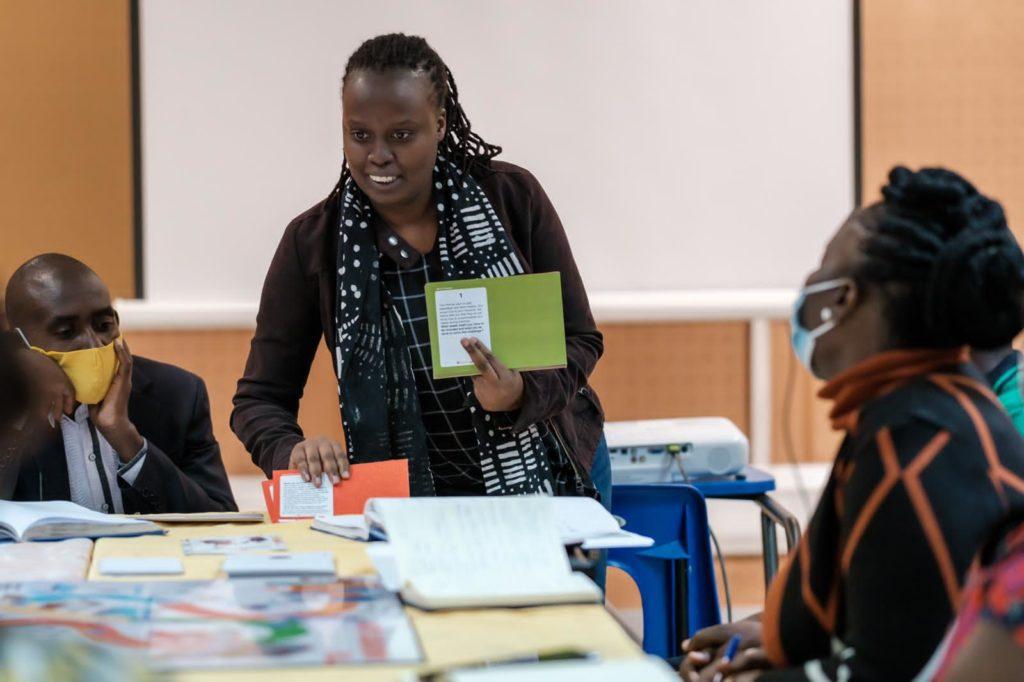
[
  {"x": 203, "y": 517},
  {"x": 649, "y": 669},
  {"x": 65, "y": 560},
  {"x": 267, "y": 565},
  {"x": 148, "y": 565}
]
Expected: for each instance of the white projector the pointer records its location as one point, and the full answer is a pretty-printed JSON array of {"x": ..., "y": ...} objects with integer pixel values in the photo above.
[{"x": 661, "y": 450}]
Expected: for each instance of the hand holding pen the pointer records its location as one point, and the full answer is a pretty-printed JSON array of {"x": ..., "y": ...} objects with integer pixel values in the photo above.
[
  {"x": 740, "y": 666},
  {"x": 730, "y": 652}
]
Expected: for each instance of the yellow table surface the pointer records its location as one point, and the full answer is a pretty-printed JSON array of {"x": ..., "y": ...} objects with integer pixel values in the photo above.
[{"x": 447, "y": 638}]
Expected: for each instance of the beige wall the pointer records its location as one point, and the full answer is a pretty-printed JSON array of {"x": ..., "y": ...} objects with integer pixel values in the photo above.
[
  {"x": 801, "y": 430},
  {"x": 648, "y": 371},
  {"x": 678, "y": 139},
  {"x": 942, "y": 86},
  {"x": 66, "y": 135},
  {"x": 219, "y": 357}
]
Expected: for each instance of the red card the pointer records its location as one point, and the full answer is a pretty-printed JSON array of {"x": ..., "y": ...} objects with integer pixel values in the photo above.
[
  {"x": 389, "y": 478},
  {"x": 268, "y": 498}
]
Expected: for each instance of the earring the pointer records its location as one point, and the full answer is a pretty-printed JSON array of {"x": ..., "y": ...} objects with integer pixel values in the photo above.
[{"x": 826, "y": 314}]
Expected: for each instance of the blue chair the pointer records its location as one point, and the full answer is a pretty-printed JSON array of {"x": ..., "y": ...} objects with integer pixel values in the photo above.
[{"x": 676, "y": 576}]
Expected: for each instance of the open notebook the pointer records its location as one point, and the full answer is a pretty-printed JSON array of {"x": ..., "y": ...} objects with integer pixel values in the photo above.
[
  {"x": 579, "y": 520},
  {"x": 476, "y": 552},
  {"x": 59, "y": 519}
]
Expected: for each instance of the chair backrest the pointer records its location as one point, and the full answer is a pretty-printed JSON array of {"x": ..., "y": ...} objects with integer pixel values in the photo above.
[{"x": 676, "y": 576}]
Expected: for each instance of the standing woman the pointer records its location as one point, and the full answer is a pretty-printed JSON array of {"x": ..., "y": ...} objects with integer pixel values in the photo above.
[{"x": 420, "y": 199}]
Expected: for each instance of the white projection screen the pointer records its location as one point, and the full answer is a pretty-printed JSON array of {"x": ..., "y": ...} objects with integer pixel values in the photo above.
[{"x": 687, "y": 144}]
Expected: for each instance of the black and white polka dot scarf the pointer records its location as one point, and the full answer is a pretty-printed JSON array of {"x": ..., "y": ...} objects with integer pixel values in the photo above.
[{"x": 377, "y": 390}]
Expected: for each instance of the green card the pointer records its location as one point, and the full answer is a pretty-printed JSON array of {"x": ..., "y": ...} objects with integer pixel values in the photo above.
[{"x": 519, "y": 318}]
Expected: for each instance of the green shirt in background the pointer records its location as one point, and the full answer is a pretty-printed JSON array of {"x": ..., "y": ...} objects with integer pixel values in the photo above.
[{"x": 1005, "y": 381}]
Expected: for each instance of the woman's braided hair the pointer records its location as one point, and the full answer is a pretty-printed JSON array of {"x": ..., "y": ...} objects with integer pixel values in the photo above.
[
  {"x": 950, "y": 267},
  {"x": 394, "y": 51}
]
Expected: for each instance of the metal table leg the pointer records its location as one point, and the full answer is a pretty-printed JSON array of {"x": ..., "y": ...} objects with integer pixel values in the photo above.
[
  {"x": 769, "y": 548},
  {"x": 773, "y": 513}
]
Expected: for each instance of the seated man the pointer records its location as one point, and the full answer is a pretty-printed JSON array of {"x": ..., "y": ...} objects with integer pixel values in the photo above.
[{"x": 136, "y": 437}]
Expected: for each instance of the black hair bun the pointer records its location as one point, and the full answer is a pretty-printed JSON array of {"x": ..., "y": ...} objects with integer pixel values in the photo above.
[{"x": 973, "y": 291}]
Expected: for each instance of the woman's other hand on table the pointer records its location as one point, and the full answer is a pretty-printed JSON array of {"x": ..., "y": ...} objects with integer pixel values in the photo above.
[{"x": 314, "y": 457}]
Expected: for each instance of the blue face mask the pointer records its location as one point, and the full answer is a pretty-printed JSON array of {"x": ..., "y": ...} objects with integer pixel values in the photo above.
[{"x": 805, "y": 339}]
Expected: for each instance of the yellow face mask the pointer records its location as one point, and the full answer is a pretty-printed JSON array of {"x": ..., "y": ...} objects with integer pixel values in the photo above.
[{"x": 91, "y": 370}]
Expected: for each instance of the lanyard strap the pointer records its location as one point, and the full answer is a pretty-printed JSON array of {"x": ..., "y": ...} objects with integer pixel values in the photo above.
[{"x": 100, "y": 469}]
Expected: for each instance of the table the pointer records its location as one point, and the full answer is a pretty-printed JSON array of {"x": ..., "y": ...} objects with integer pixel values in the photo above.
[
  {"x": 754, "y": 485},
  {"x": 447, "y": 638}
]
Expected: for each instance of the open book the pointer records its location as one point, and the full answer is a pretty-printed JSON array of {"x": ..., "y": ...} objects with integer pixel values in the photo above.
[
  {"x": 461, "y": 552},
  {"x": 59, "y": 519},
  {"x": 579, "y": 520}
]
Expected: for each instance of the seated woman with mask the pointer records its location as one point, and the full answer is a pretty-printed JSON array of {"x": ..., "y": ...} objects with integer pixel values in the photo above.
[{"x": 931, "y": 462}]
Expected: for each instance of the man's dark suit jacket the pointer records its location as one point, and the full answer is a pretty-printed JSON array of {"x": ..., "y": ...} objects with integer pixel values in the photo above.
[{"x": 183, "y": 471}]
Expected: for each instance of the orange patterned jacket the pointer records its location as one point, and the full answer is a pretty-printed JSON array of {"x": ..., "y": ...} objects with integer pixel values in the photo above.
[{"x": 929, "y": 465}]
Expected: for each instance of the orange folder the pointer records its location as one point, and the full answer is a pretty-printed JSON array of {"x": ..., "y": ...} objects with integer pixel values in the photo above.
[
  {"x": 389, "y": 478},
  {"x": 268, "y": 498}
]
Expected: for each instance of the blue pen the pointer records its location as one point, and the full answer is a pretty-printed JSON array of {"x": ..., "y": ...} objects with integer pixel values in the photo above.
[{"x": 730, "y": 651}]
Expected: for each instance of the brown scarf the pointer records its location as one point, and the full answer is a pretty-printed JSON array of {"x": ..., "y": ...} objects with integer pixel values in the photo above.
[{"x": 879, "y": 375}]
